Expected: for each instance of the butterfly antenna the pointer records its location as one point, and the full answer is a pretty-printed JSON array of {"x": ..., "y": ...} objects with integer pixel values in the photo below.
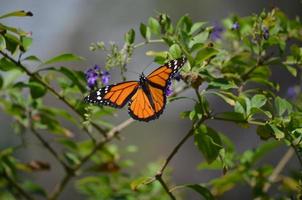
[
  {"x": 147, "y": 66},
  {"x": 134, "y": 72}
]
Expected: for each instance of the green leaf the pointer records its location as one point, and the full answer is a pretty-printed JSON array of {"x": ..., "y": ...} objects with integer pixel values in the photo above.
[
  {"x": 232, "y": 116},
  {"x": 73, "y": 76},
  {"x": 20, "y": 13},
  {"x": 34, "y": 188},
  {"x": 130, "y": 36},
  {"x": 139, "y": 182},
  {"x": 175, "y": 51},
  {"x": 154, "y": 26},
  {"x": 37, "y": 90},
  {"x": 26, "y": 43},
  {"x": 228, "y": 97},
  {"x": 265, "y": 132},
  {"x": 264, "y": 149},
  {"x": 208, "y": 142},
  {"x": 145, "y": 31},
  {"x": 291, "y": 70},
  {"x": 7, "y": 65},
  {"x": 222, "y": 84},
  {"x": 196, "y": 26},
  {"x": 2, "y": 43},
  {"x": 67, "y": 57},
  {"x": 258, "y": 101},
  {"x": 277, "y": 132},
  {"x": 281, "y": 106},
  {"x": 1, "y": 81},
  {"x": 203, "y": 191},
  {"x": 205, "y": 54},
  {"x": 32, "y": 58},
  {"x": 199, "y": 38}
]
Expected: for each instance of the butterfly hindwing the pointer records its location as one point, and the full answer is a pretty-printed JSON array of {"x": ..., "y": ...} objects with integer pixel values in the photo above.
[
  {"x": 113, "y": 95},
  {"x": 146, "y": 107}
]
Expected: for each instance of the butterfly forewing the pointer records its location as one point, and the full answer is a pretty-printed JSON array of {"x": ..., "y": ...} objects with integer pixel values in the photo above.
[
  {"x": 113, "y": 95},
  {"x": 163, "y": 74}
]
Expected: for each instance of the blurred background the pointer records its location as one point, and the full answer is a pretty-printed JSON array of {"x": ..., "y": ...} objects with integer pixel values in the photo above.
[{"x": 72, "y": 25}]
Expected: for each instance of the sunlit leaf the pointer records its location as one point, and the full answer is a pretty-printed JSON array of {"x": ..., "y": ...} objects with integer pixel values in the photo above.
[
  {"x": 203, "y": 191},
  {"x": 67, "y": 57},
  {"x": 20, "y": 13}
]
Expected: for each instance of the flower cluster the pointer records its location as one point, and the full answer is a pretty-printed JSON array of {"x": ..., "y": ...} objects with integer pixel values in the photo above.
[{"x": 93, "y": 75}]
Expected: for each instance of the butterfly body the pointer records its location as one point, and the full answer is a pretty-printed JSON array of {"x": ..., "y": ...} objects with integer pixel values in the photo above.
[{"x": 146, "y": 97}]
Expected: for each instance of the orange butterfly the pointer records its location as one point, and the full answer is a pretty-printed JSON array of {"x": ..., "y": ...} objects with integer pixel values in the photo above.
[{"x": 146, "y": 97}]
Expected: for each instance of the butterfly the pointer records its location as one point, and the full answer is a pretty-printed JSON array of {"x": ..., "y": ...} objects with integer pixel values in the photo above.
[{"x": 146, "y": 97}]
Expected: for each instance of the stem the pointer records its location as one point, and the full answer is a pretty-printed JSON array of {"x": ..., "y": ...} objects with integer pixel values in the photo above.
[
  {"x": 50, "y": 149},
  {"x": 20, "y": 190},
  {"x": 60, "y": 187},
  {"x": 55, "y": 93},
  {"x": 258, "y": 123},
  {"x": 280, "y": 166},
  {"x": 147, "y": 42},
  {"x": 164, "y": 185}
]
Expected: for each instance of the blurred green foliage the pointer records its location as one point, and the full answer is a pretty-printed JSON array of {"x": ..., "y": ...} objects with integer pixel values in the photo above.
[{"x": 233, "y": 62}]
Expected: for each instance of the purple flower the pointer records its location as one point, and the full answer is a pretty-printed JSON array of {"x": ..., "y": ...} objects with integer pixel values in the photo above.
[
  {"x": 96, "y": 68},
  {"x": 93, "y": 74},
  {"x": 291, "y": 92},
  {"x": 235, "y": 26},
  {"x": 105, "y": 75},
  {"x": 177, "y": 76},
  {"x": 169, "y": 89},
  {"x": 91, "y": 77},
  {"x": 265, "y": 33},
  {"x": 216, "y": 32}
]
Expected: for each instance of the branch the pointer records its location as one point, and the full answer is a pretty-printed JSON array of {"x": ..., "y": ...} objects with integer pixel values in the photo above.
[
  {"x": 147, "y": 42},
  {"x": 55, "y": 93},
  {"x": 20, "y": 190},
  {"x": 280, "y": 166},
  {"x": 49, "y": 148}
]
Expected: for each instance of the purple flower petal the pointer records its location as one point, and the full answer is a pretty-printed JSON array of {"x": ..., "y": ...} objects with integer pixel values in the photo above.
[
  {"x": 169, "y": 89},
  {"x": 291, "y": 92},
  {"x": 177, "y": 76},
  {"x": 235, "y": 26},
  {"x": 105, "y": 76},
  {"x": 216, "y": 32},
  {"x": 265, "y": 33}
]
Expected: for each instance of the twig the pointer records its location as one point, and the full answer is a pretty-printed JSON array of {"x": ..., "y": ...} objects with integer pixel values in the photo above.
[
  {"x": 55, "y": 93},
  {"x": 60, "y": 187},
  {"x": 164, "y": 185},
  {"x": 20, "y": 190},
  {"x": 280, "y": 166},
  {"x": 49, "y": 148},
  {"x": 147, "y": 42}
]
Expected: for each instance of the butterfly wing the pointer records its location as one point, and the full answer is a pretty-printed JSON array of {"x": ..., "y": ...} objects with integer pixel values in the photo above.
[
  {"x": 147, "y": 105},
  {"x": 163, "y": 74},
  {"x": 116, "y": 95}
]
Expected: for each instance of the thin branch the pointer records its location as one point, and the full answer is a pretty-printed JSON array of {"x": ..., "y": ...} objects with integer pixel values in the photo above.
[
  {"x": 16, "y": 185},
  {"x": 278, "y": 169},
  {"x": 253, "y": 122},
  {"x": 60, "y": 187},
  {"x": 55, "y": 93},
  {"x": 164, "y": 185},
  {"x": 49, "y": 148},
  {"x": 148, "y": 42}
]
